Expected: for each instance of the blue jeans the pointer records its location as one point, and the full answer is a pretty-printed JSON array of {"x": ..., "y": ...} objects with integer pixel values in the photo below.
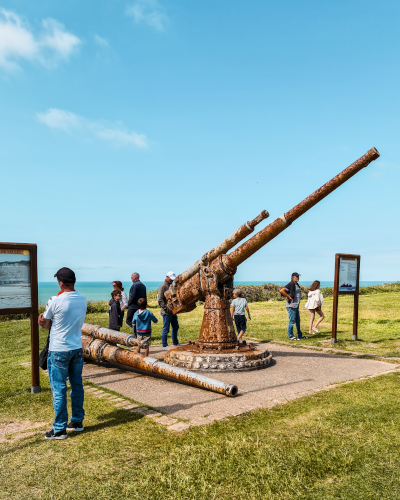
[
  {"x": 167, "y": 321},
  {"x": 62, "y": 365},
  {"x": 294, "y": 317}
]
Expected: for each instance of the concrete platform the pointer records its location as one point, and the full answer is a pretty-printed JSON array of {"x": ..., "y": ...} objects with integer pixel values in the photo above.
[{"x": 292, "y": 373}]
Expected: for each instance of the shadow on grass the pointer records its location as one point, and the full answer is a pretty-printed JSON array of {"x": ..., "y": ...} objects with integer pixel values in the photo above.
[{"x": 109, "y": 420}]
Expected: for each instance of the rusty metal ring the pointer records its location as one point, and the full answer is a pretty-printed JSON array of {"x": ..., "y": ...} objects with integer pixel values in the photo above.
[
  {"x": 128, "y": 339},
  {"x": 100, "y": 352}
]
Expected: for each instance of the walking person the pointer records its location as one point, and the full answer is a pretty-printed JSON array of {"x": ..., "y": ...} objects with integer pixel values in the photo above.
[
  {"x": 239, "y": 304},
  {"x": 142, "y": 319},
  {"x": 65, "y": 315},
  {"x": 293, "y": 294},
  {"x": 314, "y": 303},
  {"x": 137, "y": 291},
  {"x": 115, "y": 314},
  {"x": 169, "y": 319}
]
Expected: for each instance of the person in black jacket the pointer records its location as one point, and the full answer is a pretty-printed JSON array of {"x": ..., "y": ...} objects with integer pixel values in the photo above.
[
  {"x": 137, "y": 291},
  {"x": 169, "y": 319},
  {"x": 115, "y": 315},
  {"x": 293, "y": 294}
]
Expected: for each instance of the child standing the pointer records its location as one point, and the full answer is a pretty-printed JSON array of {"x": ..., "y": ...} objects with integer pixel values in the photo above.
[
  {"x": 239, "y": 304},
  {"x": 314, "y": 303},
  {"x": 142, "y": 320},
  {"x": 115, "y": 314}
]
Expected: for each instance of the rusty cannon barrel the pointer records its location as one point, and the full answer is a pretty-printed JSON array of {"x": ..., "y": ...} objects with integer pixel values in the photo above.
[
  {"x": 98, "y": 350},
  {"x": 183, "y": 297},
  {"x": 110, "y": 336},
  {"x": 264, "y": 236},
  {"x": 228, "y": 243}
]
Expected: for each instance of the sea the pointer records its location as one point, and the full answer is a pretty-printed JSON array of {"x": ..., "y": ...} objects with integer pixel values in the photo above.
[{"x": 101, "y": 291}]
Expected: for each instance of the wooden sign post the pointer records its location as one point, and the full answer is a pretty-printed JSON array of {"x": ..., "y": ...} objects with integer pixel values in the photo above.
[
  {"x": 347, "y": 282},
  {"x": 19, "y": 293}
]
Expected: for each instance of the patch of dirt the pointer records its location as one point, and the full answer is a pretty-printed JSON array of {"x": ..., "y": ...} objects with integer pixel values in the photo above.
[{"x": 19, "y": 428}]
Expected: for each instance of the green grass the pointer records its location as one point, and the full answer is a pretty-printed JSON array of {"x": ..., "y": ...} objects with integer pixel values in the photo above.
[
  {"x": 378, "y": 332},
  {"x": 340, "y": 444}
]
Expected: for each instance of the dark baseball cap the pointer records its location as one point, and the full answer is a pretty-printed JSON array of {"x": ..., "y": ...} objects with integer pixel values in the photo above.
[
  {"x": 66, "y": 275},
  {"x": 296, "y": 274}
]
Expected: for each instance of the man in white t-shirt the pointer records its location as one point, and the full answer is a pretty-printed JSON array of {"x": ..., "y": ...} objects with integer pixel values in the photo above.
[
  {"x": 66, "y": 315},
  {"x": 239, "y": 304}
]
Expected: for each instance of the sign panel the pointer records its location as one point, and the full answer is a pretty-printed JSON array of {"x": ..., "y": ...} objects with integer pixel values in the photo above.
[
  {"x": 15, "y": 278},
  {"x": 347, "y": 275},
  {"x": 347, "y": 281}
]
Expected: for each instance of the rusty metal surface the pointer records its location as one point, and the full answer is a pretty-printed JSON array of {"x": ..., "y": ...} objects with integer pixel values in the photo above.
[
  {"x": 212, "y": 278},
  {"x": 223, "y": 247},
  {"x": 217, "y": 330},
  {"x": 110, "y": 336},
  {"x": 183, "y": 298},
  {"x": 99, "y": 351}
]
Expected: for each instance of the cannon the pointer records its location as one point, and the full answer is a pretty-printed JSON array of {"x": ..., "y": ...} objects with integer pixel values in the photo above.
[
  {"x": 211, "y": 280},
  {"x": 96, "y": 349}
]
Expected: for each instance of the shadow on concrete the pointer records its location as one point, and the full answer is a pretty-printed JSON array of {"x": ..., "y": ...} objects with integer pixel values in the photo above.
[
  {"x": 299, "y": 354},
  {"x": 280, "y": 385}
]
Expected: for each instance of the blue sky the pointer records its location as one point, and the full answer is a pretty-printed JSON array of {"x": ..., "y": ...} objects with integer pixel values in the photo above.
[{"x": 136, "y": 135}]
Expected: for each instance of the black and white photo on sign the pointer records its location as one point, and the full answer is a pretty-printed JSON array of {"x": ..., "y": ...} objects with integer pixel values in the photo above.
[
  {"x": 15, "y": 279},
  {"x": 347, "y": 275}
]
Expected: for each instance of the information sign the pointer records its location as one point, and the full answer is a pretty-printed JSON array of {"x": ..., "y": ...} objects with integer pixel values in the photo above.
[
  {"x": 15, "y": 279},
  {"x": 19, "y": 293},
  {"x": 346, "y": 282},
  {"x": 347, "y": 275}
]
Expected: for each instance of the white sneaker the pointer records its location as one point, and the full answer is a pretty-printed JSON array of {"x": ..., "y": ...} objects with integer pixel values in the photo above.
[
  {"x": 315, "y": 330},
  {"x": 165, "y": 348}
]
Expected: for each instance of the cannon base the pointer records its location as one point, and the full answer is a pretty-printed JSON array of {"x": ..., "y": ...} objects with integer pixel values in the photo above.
[{"x": 243, "y": 358}]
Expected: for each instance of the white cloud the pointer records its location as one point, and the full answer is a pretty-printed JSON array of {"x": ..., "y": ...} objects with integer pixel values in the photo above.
[
  {"x": 57, "y": 118},
  {"x": 18, "y": 42},
  {"x": 149, "y": 12},
  {"x": 121, "y": 137},
  {"x": 69, "y": 122},
  {"x": 100, "y": 40}
]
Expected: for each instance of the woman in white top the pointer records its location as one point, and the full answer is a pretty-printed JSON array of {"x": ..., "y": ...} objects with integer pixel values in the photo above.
[{"x": 314, "y": 303}]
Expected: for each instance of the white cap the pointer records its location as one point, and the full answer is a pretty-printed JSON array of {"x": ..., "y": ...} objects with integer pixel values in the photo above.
[{"x": 171, "y": 275}]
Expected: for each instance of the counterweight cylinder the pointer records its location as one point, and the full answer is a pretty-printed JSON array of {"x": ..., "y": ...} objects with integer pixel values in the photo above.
[{"x": 111, "y": 336}]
